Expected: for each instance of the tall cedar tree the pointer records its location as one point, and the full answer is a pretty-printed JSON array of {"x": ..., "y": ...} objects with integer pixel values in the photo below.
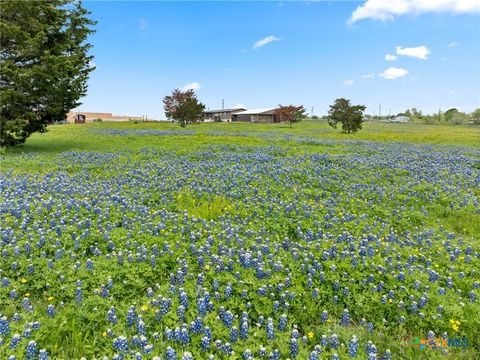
[
  {"x": 44, "y": 64},
  {"x": 290, "y": 113},
  {"x": 183, "y": 107},
  {"x": 351, "y": 116}
]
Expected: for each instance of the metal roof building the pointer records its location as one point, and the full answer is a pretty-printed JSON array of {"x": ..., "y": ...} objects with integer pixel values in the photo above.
[{"x": 266, "y": 115}]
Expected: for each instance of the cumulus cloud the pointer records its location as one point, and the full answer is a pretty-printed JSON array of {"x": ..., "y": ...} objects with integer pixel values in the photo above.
[
  {"x": 390, "y": 57},
  {"x": 265, "y": 41},
  {"x": 386, "y": 10},
  {"x": 368, "y": 76},
  {"x": 393, "y": 73},
  {"x": 191, "y": 86},
  {"x": 348, "y": 82},
  {"x": 419, "y": 52}
]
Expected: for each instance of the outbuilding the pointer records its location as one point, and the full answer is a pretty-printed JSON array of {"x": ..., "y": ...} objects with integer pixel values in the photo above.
[
  {"x": 221, "y": 115},
  {"x": 80, "y": 119},
  {"x": 266, "y": 115}
]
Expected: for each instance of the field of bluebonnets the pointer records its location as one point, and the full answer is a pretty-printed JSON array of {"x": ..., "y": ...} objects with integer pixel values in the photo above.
[{"x": 241, "y": 241}]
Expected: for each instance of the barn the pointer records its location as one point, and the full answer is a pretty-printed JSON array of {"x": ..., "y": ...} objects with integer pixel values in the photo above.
[{"x": 257, "y": 116}]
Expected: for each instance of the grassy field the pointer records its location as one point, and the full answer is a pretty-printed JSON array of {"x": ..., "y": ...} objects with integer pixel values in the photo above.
[{"x": 241, "y": 241}]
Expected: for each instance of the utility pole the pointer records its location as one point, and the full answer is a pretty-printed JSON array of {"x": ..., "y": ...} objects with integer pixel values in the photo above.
[
  {"x": 223, "y": 105},
  {"x": 380, "y": 110},
  {"x": 311, "y": 114}
]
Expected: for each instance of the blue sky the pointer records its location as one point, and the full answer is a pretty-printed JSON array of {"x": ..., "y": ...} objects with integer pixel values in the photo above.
[{"x": 261, "y": 54}]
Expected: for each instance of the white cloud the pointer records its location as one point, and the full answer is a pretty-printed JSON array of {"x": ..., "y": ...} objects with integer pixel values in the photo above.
[
  {"x": 419, "y": 52},
  {"x": 385, "y": 10},
  {"x": 265, "y": 41},
  {"x": 390, "y": 57},
  {"x": 393, "y": 73},
  {"x": 348, "y": 82},
  {"x": 191, "y": 86},
  {"x": 453, "y": 44},
  {"x": 368, "y": 76}
]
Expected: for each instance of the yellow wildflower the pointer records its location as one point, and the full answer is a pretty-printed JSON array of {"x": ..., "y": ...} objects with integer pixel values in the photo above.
[
  {"x": 27, "y": 294},
  {"x": 310, "y": 335},
  {"x": 144, "y": 307},
  {"x": 390, "y": 301},
  {"x": 207, "y": 267},
  {"x": 455, "y": 324},
  {"x": 23, "y": 281},
  {"x": 104, "y": 333},
  {"x": 50, "y": 298}
]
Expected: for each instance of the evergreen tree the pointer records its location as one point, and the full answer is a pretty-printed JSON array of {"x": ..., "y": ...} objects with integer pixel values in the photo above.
[{"x": 44, "y": 64}]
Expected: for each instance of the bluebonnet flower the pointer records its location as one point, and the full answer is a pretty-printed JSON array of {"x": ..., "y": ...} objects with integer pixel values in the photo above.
[
  {"x": 4, "y": 325},
  {"x": 282, "y": 324},
  {"x": 293, "y": 348},
  {"x": 111, "y": 315},
  {"x": 89, "y": 264},
  {"x": 353, "y": 347},
  {"x": 120, "y": 344},
  {"x": 324, "y": 316},
  {"x": 51, "y": 310},
  {"x": 16, "y": 338},
  {"x": 43, "y": 354},
  {"x": 170, "y": 354},
  {"x": 228, "y": 318},
  {"x": 247, "y": 354},
  {"x": 131, "y": 315},
  {"x": 78, "y": 295},
  {"x": 345, "y": 318},
  {"x": 243, "y": 330},
  {"x": 184, "y": 299},
  {"x": 205, "y": 343},
  {"x": 371, "y": 350},
  {"x": 31, "y": 349},
  {"x": 270, "y": 329},
  {"x": 334, "y": 342}
]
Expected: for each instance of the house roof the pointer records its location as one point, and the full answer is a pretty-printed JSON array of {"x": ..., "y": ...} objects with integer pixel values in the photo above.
[
  {"x": 256, "y": 111},
  {"x": 224, "y": 110}
]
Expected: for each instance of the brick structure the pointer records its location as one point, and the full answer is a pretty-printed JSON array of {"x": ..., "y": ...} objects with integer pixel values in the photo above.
[{"x": 91, "y": 116}]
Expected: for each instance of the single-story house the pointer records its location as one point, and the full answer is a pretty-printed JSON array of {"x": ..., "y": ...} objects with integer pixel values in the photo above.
[
  {"x": 257, "y": 116},
  {"x": 223, "y": 115}
]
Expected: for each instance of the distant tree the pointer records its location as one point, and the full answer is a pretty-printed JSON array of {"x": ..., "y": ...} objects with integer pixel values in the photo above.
[
  {"x": 458, "y": 118},
  {"x": 183, "y": 107},
  {"x": 449, "y": 114},
  {"x": 350, "y": 116},
  {"x": 44, "y": 64},
  {"x": 290, "y": 113},
  {"x": 476, "y": 116},
  {"x": 315, "y": 117}
]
